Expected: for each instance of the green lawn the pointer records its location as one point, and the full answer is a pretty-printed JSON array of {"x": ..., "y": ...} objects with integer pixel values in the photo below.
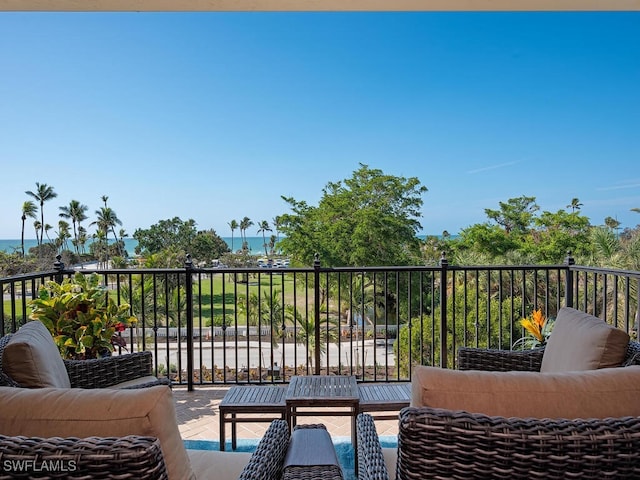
[{"x": 215, "y": 297}]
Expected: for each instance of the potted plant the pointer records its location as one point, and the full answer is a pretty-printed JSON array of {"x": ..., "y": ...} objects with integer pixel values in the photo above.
[
  {"x": 538, "y": 330},
  {"x": 83, "y": 319}
]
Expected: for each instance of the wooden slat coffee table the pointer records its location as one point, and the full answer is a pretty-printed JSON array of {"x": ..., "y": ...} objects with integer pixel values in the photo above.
[
  {"x": 250, "y": 400},
  {"x": 332, "y": 393}
]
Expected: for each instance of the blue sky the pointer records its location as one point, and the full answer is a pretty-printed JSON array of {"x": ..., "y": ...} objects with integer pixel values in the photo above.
[{"x": 215, "y": 116}]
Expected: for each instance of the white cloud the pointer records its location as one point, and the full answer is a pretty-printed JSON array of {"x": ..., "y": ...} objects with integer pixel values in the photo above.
[
  {"x": 491, "y": 167},
  {"x": 621, "y": 186}
]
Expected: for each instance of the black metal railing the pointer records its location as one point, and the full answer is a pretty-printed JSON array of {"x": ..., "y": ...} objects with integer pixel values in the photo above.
[{"x": 262, "y": 325}]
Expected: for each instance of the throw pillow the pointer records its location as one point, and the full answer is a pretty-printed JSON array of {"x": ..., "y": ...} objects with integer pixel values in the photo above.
[
  {"x": 580, "y": 341},
  {"x": 32, "y": 359}
]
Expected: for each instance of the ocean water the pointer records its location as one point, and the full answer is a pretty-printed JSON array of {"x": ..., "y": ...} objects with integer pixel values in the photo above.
[{"x": 255, "y": 244}]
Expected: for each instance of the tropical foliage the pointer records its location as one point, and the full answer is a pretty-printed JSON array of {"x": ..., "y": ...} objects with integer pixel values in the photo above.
[
  {"x": 538, "y": 329},
  {"x": 180, "y": 238},
  {"x": 366, "y": 220},
  {"x": 82, "y": 318}
]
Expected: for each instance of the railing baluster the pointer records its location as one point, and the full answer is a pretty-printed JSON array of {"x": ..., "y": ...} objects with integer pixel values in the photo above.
[{"x": 479, "y": 305}]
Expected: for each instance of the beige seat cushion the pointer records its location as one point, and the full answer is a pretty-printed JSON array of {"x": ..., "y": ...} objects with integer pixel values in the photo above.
[
  {"x": 580, "y": 341},
  {"x": 71, "y": 412},
  {"x": 32, "y": 359},
  {"x": 390, "y": 456},
  {"x": 215, "y": 465},
  {"x": 608, "y": 392},
  {"x": 136, "y": 382}
]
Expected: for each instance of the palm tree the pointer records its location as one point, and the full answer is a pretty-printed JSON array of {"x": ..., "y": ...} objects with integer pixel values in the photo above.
[
  {"x": 264, "y": 228},
  {"x": 76, "y": 212},
  {"x": 63, "y": 235},
  {"x": 233, "y": 225},
  {"x": 575, "y": 205},
  {"x": 612, "y": 223},
  {"x": 29, "y": 209},
  {"x": 47, "y": 227},
  {"x": 245, "y": 224},
  {"x": 37, "y": 226},
  {"x": 82, "y": 238},
  {"x": 277, "y": 223},
  {"x": 305, "y": 331},
  {"x": 43, "y": 193},
  {"x": 122, "y": 234},
  {"x": 106, "y": 222},
  {"x": 272, "y": 244}
]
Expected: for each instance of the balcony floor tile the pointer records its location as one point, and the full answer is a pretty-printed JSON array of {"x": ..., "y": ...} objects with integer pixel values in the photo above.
[{"x": 198, "y": 417}]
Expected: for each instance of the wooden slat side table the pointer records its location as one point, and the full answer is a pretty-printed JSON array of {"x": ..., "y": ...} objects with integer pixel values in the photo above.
[
  {"x": 307, "y": 393},
  {"x": 265, "y": 399},
  {"x": 384, "y": 397}
]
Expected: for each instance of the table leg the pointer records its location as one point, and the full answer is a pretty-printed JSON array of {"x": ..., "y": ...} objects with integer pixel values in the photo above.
[
  {"x": 222, "y": 431},
  {"x": 233, "y": 431}
]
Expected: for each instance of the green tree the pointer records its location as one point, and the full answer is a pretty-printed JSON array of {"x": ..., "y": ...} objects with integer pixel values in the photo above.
[
  {"x": 556, "y": 234},
  {"x": 264, "y": 228},
  {"x": 575, "y": 205},
  {"x": 207, "y": 246},
  {"x": 277, "y": 222},
  {"x": 515, "y": 215},
  {"x": 305, "y": 331},
  {"x": 106, "y": 221},
  {"x": 605, "y": 248},
  {"x": 37, "y": 226},
  {"x": 29, "y": 210},
  {"x": 43, "y": 194},
  {"x": 368, "y": 219},
  {"x": 76, "y": 212},
  {"x": 63, "y": 235},
  {"x": 612, "y": 223},
  {"x": 233, "y": 225},
  {"x": 47, "y": 228},
  {"x": 245, "y": 224},
  {"x": 170, "y": 232},
  {"x": 488, "y": 239},
  {"x": 173, "y": 234}
]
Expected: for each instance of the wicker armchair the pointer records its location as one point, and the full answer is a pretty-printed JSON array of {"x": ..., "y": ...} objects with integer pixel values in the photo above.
[
  {"x": 109, "y": 371},
  {"x": 133, "y": 457},
  {"x": 102, "y": 372},
  {"x": 520, "y": 360},
  {"x": 439, "y": 443},
  {"x": 129, "y": 457}
]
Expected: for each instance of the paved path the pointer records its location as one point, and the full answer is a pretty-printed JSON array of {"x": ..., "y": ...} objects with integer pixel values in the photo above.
[
  {"x": 198, "y": 416},
  {"x": 249, "y": 354}
]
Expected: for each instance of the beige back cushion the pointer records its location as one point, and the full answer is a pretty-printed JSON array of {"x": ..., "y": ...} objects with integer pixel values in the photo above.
[
  {"x": 71, "y": 412},
  {"x": 610, "y": 392},
  {"x": 580, "y": 341},
  {"x": 32, "y": 359}
]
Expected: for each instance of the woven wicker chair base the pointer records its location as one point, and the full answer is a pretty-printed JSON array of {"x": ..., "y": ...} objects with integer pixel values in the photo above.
[
  {"x": 317, "y": 472},
  {"x": 463, "y": 445},
  {"x": 130, "y": 457},
  {"x": 109, "y": 371},
  {"x": 266, "y": 462},
  {"x": 439, "y": 444},
  {"x": 312, "y": 472}
]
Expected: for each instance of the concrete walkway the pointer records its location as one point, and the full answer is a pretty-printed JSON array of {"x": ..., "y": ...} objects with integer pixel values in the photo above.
[{"x": 198, "y": 417}]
